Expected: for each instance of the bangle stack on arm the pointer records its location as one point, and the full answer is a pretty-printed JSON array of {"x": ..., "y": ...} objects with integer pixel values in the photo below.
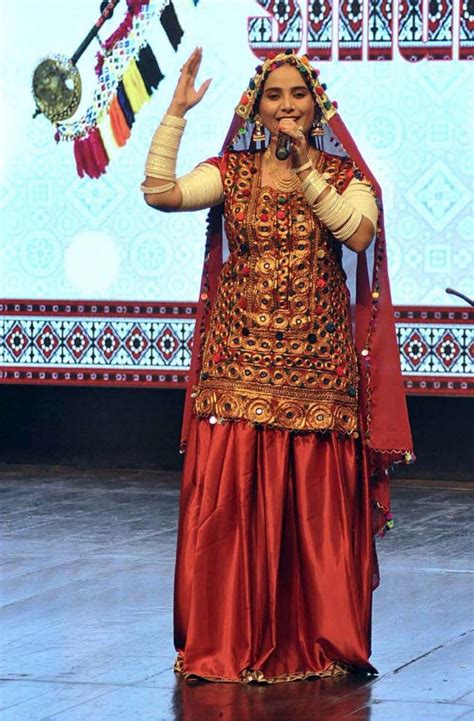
[
  {"x": 161, "y": 159},
  {"x": 201, "y": 188},
  {"x": 341, "y": 217}
]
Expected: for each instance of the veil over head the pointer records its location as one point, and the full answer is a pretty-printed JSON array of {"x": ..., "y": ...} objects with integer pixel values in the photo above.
[{"x": 383, "y": 413}]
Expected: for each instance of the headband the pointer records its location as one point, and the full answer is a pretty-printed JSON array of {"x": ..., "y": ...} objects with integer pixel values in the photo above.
[{"x": 251, "y": 96}]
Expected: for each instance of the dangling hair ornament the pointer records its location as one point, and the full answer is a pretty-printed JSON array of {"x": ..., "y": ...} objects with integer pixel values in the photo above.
[
  {"x": 258, "y": 135},
  {"x": 317, "y": 129},
  {"x": 127, "y": 73}
]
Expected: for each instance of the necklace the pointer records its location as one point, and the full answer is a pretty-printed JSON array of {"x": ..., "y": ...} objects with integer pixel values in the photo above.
[{"x": 284, "y": 184}]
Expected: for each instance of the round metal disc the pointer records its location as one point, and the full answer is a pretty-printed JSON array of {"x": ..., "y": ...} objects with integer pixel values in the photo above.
[{"x": 57, "y": 88}]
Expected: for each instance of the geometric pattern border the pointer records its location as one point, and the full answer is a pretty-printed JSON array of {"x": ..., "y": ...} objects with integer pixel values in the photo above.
[
  {"x": 436, "y": 349},
  {"x": 95, "y": 342},
  {"x": 133, "y": 344}
]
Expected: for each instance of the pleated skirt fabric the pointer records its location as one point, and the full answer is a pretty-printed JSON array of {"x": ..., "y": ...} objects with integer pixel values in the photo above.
[{"x": 275, "y": 555}]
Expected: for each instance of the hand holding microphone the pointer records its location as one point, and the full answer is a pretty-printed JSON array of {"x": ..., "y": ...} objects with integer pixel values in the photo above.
[{"x": 291, "y": 141}]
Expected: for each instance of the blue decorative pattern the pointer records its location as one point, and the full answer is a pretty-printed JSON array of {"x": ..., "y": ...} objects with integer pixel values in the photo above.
[{"x": 150, "y": 344}]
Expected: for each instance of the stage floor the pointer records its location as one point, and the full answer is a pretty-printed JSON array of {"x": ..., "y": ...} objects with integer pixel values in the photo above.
[{"x": 87, "y": 561}]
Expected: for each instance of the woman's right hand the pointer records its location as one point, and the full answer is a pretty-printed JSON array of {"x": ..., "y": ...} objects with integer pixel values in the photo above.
[{"x": 185, "y": 95}]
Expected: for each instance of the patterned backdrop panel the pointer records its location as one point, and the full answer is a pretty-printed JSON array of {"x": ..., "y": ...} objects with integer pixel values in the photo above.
[
  {"x": 134, "y": 344},
  {"x": 66, "y": 237}
]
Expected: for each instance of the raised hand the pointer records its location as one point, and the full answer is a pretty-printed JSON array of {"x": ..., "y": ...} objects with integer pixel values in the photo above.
[{"x": 185, "y": 95}]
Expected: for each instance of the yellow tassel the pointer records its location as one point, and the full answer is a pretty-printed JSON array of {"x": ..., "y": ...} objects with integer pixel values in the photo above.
[{"x": 135, "y": 87}]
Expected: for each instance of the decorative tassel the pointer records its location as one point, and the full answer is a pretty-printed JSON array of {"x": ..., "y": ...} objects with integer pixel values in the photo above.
[
  {"x": 388, "y": 525},
  {"x": 125, "y": 105},
  {"x": 118, "y": 123},
  {"x": 99, "y": 154},
  {"x": 91, "y": 156},
  {"x": 135, "y": 87},
  {"x": 389, "y": 522},
  {"x": 79, "y": 157},
  {"x": 107, "y": 136},
  {"x": 84, "y": 159},
  {"x": 149, "y": 68},
  {"x": 99, "y": 64},
  {"x": 107, "y": 123},
  {"x": 139, "y": 82},
  {"x": 171, "y": 25},
  {"x": 87, "y": 156}
]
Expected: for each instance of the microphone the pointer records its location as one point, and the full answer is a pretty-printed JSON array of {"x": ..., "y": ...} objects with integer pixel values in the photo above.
[{"x": 282, "y": 151}]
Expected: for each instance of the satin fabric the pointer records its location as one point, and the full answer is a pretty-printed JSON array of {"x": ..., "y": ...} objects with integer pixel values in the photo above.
[{"x": 275, "y": 555}]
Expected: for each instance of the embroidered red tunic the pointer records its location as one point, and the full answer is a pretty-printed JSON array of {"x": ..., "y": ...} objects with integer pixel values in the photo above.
[{"x": 278, "y": 349}]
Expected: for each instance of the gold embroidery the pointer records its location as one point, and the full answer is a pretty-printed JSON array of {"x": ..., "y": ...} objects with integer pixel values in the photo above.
[
  {"x": 336, "y": 668},
  {"x": 278, "y": 407},
  {"x": 278, "y": 350}
]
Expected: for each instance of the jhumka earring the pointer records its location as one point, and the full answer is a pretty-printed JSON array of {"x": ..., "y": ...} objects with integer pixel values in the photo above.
[
  {"x": 317, "y": 129},
  {"x": 258, "y": 135}
]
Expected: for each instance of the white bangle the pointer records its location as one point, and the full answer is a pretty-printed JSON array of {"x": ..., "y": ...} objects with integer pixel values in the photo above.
[
  {"x": 157, "y": 188},
  {"x": 161, "y": 159},
  {"x": 305, "y": 166},
  {"x": 172, "y": 121},
  {"x": 313, "y": 185}
]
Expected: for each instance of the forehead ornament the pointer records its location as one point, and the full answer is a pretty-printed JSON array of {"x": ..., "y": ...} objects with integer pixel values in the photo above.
[{"x": 245, "y": 108}]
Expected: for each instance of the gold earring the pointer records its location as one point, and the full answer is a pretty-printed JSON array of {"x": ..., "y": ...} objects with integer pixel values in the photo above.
[
  {"x": 258, "y": 135},
  {"x": 317, "y": 129}
]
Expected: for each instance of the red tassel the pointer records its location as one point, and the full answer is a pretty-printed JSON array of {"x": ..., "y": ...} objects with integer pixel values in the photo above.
[
  {"x": 91, "y": 156},
  {"x": 80, "y": 164},
  {"x": 98, "y": 152},
  {"x": 88, "y": 158},
  {"x": 89, "y": 165}
]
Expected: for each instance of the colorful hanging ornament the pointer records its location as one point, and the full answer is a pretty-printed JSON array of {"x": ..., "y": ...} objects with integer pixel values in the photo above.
[
  {"x": 317, "y": 129},
  {"x": 127, "y": 74},
  {"x": 258, "y": 135}
]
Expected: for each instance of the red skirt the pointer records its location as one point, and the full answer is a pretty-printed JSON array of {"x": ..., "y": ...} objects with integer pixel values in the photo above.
[{"x": 275, "y": 556}]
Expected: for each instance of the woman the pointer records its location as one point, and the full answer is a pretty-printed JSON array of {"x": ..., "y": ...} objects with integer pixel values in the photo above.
[{"x": 288, "y": 429}]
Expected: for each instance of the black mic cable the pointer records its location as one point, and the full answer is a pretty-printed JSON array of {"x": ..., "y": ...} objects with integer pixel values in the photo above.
[{"x": 460, "y": 295}]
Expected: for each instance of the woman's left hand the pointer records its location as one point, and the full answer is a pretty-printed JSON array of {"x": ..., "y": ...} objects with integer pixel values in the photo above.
[{"x": 299, "y": 142}]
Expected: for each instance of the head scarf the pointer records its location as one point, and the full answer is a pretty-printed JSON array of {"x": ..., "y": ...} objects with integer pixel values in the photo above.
[{"x": 383, "y": 412}]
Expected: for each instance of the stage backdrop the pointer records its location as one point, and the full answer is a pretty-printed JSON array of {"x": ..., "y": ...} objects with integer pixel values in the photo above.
[{"x": 99, "y": 288}]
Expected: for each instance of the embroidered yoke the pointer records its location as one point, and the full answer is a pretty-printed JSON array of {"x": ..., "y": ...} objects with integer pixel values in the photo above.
[{"x": 278, "y": 349}]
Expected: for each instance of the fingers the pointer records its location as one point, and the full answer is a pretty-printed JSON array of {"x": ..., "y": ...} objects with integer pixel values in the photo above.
[
  {"x": 291, "y": 128},
  {"x": 195, "y": 63},
  {"x": 185, "y": 91},
  {"x": 203, "y": 89},
  {"x": 191, "y": 66},
  {"x": 296, "y": 133}
]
